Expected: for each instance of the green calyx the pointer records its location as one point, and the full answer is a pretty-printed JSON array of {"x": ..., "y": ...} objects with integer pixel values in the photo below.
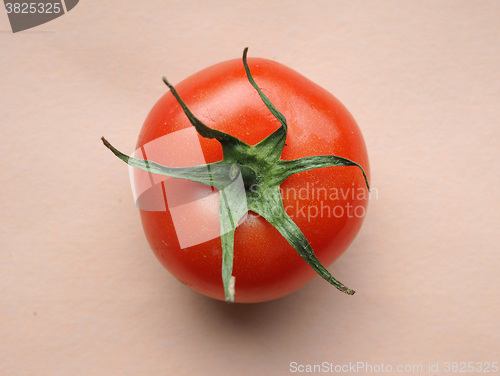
[{"x": 262, "y": 171}]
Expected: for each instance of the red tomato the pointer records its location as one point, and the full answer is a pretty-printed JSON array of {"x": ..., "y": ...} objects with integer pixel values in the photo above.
[{"x": 328, "y": 204}]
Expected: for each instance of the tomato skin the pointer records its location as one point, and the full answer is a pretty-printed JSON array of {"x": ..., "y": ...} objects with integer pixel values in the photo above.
[{"x": 265, "y": 266}]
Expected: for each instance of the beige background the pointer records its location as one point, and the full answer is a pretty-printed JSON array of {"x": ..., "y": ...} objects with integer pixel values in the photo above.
[{"x": 82, "y": 294}]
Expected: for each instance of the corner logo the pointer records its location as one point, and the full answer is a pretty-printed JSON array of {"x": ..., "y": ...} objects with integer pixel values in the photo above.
[{"x": 25, "y": 14}]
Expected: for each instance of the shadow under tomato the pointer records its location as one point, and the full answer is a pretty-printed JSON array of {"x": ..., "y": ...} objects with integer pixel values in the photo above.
[
  {"x": 246, "y": 313},
  {"x": 271, "y": 318}
]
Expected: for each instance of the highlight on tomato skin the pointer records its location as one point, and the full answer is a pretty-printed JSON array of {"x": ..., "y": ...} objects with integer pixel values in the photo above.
[{"x": 250, "y": 180}]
